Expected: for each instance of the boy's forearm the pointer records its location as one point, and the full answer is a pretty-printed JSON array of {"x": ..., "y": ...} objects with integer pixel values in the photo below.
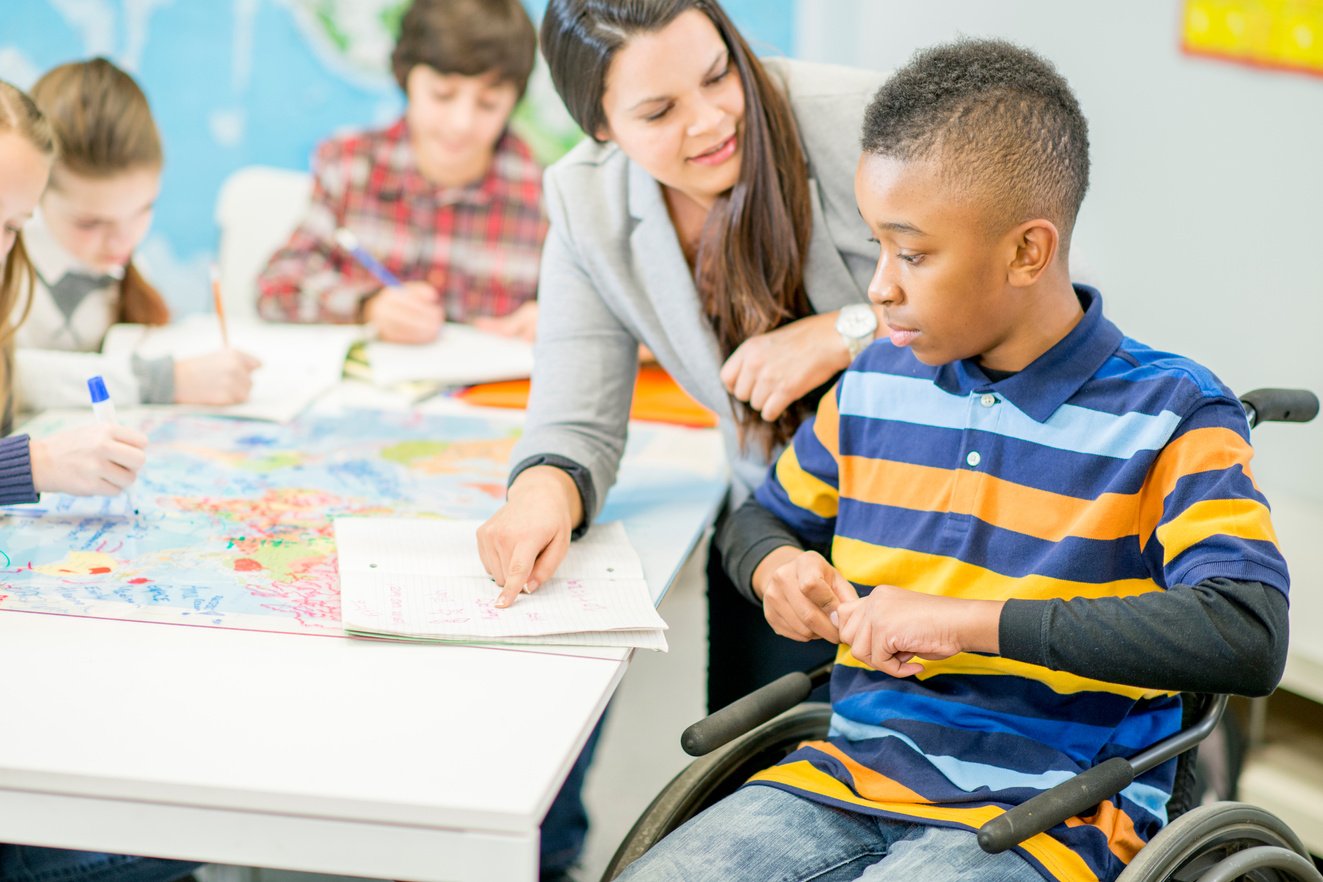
[
  {"x": 745, "y": 538},
  {"x": 1221, "y": 635},
  {"x": 978, "y": 625}
]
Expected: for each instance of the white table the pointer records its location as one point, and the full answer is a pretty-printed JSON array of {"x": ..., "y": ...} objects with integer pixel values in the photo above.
[{"x": 321, "y": 754}]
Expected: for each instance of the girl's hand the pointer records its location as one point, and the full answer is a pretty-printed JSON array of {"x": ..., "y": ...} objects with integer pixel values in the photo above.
[
  {"x": 97, "y": 460},
  {"x": 522, "y": 323},
  {"x": 523, "y": 543},
  {"x": 410, "y": 313},
  {"x": 218, "y": 378},
  {"x": 774, "y": 370},
  {"x": 800, "y": 590}
]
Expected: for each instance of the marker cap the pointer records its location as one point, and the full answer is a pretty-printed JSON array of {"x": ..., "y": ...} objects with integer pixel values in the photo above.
[{"x": 97, "y": 387}]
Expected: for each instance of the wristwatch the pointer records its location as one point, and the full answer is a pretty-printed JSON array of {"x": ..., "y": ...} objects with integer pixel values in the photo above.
[{"x": 856, "y": 323}]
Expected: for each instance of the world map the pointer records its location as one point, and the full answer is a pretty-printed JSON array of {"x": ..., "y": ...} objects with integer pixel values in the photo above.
[{"x": 230, "y": 523}]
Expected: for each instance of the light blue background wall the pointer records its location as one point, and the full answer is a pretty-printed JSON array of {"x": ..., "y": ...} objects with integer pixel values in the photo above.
[
  {"x": 1204, "y": 219},
  {"x": 241, "y": 82}
]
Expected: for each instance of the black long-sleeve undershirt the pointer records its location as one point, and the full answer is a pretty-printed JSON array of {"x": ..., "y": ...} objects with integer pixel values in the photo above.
[{"x": 1221, "y": 635}]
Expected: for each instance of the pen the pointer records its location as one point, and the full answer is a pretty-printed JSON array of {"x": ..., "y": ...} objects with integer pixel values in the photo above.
[
  {"x": 349, "y": 242},
  {"x": 104, "y": 411},
  {"x": 220, "y": 307}
]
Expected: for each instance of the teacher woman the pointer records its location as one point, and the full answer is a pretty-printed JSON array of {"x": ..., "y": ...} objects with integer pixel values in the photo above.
[{"x": 710, "y": 217}]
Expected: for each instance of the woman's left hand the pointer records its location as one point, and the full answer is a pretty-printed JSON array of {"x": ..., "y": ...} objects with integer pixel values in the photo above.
[{"x": 772, "y": 371}]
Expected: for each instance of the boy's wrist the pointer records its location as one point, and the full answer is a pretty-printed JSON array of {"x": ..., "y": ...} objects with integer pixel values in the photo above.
[
  {"x": 767, "y": 567},
  {"x": 979, "y": 626}
]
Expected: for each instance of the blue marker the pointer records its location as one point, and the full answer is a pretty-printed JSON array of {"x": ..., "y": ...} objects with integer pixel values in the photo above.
[
  {"x": 102, "y": 407},
  {"x": 349, "y": 242},
  {"x": 104, "y": 411}
]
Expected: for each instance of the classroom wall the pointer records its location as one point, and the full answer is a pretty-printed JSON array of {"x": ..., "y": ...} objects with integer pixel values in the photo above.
[
  {"x": 1204, "y": 220},
  {"x": 243, "y": 82}
]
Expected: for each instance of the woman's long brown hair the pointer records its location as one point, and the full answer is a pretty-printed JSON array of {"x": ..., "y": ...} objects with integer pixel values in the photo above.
[
  {"x": 18, "y": 114},
  {"x": 105, "y": 128},
  {"x": 749, "y": 269}
]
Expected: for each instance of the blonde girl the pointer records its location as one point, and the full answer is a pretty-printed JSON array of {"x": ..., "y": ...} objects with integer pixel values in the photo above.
[
  {"x": 81, "y": 243},
  {"x": 99, "y": 459}
]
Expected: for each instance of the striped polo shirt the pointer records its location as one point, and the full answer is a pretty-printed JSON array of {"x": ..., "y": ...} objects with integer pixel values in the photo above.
[{"x": 1103, "y": 469}]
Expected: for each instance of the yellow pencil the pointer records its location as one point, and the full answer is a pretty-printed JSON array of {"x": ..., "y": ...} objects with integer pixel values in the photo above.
[{"x": 220, "y": 306}]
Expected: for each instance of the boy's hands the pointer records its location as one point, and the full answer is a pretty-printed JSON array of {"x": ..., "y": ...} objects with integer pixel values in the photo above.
[
  {"x": 221, "y": 377},
  {"x": 522, "y": 323},
  {"x": 890, "y": 626},
  {"x": 800, "y": 590},
  {"x": 96, "y": 460},
  {"x": 410, "y": 313},
  {"x": 523, "y": 543},
  {"x": 772, "y": 371}
]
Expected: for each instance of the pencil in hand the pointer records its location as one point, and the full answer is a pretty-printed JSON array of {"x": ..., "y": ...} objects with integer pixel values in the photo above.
[
  {"x": 220, "y": 306},
  {"x": 349, "y": 242}
]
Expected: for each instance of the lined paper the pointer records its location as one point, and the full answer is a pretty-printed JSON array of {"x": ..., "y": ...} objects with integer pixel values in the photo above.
[
  {"x": 299, "y": 362},
  {"x": 460, "y": 356},
  {"x": 423, "y": 578}
]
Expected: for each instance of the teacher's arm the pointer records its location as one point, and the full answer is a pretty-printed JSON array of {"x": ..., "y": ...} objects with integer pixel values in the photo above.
[
  {"x": 585, "y": 363},
  {"x": 772, "y": 371}
]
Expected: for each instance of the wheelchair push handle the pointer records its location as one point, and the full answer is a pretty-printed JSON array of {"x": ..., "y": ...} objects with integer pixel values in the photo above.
[
  {"x": 1066, "y": 800},
  {"x": 1280, "y": 406}
]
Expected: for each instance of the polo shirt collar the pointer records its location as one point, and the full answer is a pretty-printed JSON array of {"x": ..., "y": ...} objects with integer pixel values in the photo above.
[{"x": 1052, "y": 378}]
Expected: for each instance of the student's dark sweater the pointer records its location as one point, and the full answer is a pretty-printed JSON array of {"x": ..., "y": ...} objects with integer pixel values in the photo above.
[{"x": 15, "y": 463}]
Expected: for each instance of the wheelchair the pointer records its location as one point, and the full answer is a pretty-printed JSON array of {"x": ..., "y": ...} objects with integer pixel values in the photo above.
[{"x": 1215, "y": 842}]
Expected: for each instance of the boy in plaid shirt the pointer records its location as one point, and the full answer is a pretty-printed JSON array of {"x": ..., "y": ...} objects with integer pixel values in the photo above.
[{"x": 447, "y": 198}]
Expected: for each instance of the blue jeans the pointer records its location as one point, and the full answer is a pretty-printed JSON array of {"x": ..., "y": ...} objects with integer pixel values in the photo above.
[
  {"x": 768, "y": 834},
  {"x": 29, "y": 863}
]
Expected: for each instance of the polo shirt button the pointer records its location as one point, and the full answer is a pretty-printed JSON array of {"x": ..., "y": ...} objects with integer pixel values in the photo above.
[
  {"x": 988, "y": 399},
  {"x": 973, "y": 459}
]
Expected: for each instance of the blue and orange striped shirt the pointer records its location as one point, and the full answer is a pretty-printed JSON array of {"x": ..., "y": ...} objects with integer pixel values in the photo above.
[{"x": 1103, "y": 469}]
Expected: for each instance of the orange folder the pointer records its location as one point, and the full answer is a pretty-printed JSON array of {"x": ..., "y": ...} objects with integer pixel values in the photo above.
[{"x": 657, "y": 398}]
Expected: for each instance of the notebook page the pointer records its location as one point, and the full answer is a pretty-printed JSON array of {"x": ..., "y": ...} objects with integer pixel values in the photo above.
[
  {"x": 423, "y": 578},
  {"x": 421, "y": 545},
  {"x": 299, "y": 362},
  {"x": 461, "y": 356},
  {"x": 646, "y": 639}
]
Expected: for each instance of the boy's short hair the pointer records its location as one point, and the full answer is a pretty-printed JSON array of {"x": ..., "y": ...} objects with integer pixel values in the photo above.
[
  {"x": 1000, "y": 121},
  {"x": 467, "y": 37}
]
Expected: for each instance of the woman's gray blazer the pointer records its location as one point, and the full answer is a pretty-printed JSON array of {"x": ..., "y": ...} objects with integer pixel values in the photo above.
[{"x": 613, "y": 275}]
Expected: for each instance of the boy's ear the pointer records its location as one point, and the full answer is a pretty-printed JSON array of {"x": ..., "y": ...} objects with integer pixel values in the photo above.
[{"x": 1036, "y": 243}]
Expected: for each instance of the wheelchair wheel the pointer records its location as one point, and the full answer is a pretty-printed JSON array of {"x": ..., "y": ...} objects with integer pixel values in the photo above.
[
  {"x": 717, "y": 775},
  {"x": 1200, "y": 839}
]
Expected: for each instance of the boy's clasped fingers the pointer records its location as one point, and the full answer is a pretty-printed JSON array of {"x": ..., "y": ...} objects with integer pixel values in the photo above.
[
  {"x": 866, "y": 628},
  {"x": 801, "y": 596}
]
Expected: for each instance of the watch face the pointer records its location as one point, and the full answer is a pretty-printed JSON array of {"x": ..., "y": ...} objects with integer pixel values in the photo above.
[{"x": 857, "y": 321}]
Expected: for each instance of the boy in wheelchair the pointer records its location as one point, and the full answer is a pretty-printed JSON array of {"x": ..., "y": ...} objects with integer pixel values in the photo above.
[{"x": 1039, "y": 530}]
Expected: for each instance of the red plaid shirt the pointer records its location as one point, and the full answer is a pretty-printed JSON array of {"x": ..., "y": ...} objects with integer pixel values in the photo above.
[{"x": 478, "y": 245}]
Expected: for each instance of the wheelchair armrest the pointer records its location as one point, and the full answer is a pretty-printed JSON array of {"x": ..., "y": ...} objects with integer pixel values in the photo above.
[
  {"x": 1049, "y": 808},
  {"x": 1082, "y": 792}
]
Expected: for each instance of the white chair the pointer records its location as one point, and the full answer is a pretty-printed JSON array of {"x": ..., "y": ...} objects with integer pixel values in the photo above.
[{"x": 257, "y": 208}]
